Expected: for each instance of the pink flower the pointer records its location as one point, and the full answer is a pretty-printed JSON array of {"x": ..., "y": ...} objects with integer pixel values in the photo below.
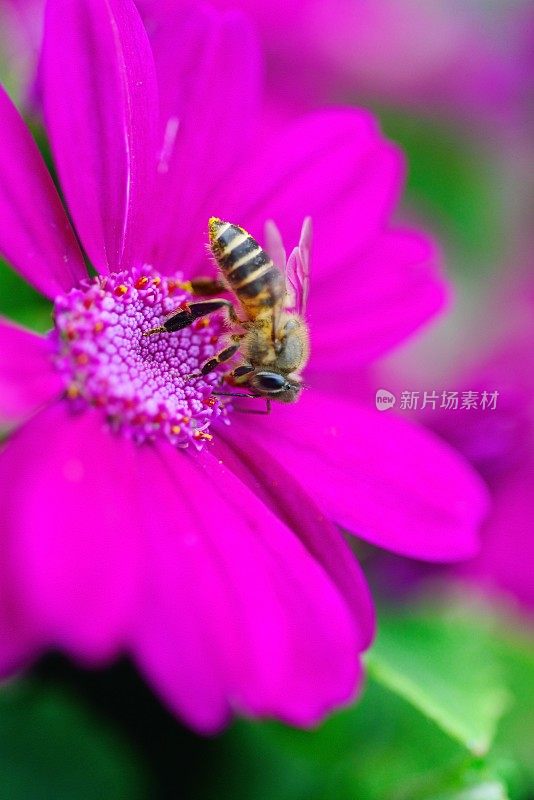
[{"x": 138, "y": 516}]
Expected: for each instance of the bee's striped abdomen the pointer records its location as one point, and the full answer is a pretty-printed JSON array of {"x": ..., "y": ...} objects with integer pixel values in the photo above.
[{"x": 247, "y": 268}]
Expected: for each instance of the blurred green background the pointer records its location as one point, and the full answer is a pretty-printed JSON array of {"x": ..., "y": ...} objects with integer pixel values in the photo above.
[{"x": 445, "y": 715}]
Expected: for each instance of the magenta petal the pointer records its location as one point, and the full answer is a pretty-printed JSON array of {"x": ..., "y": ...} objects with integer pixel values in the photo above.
[
  {"x": 35, "y": 234},
  {"x": 379, "y": 476},
  {"x": 18, "y": 642},
  {"x": 17, "y": 647},
  {"x": 100, "y": 98},
  {"x": 388, "y": 292},
  {"x": 208, "y": 72},
  {"x": 27, "y": 378},
  {"x": 69, "y": 506},
  {"x": 237, "y": 615},
  {"x": 284, "y": 495},
  {"x": 332, "y": 166}
]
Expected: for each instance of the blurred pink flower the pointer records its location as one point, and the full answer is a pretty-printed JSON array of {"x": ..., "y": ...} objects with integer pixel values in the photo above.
[
  {"x": 500, "y": 445},
  {"x": 496, "y": 434},
  {"x": 216, "y": 566},
  {"x": 21, "y": 24},
  {"x": 440, "y": 55}
]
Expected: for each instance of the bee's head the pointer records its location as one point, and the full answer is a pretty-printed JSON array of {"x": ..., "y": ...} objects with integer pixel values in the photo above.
[{"x": 276, "y": 386}]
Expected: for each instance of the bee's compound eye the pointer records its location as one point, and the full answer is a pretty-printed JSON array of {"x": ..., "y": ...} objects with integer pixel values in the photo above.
[{"x": 270, "y": 381}]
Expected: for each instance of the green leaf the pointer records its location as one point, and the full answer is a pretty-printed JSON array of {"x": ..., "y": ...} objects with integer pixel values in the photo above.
[
  {"x": 381, "y": 748},
  {"x": 416, "y": 736},
  {"x": 52, "y": 748},
  {"x": 487, "y": 790},
  {"x": 514, "y": 645},
  {"x": 446, "y": 668},
  {"x": 455, "y": 185},
  {"x": 21, "y": 303}
]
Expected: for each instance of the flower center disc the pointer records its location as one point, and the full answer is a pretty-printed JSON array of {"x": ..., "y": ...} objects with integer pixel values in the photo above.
[{"x": 139, "y": 381}]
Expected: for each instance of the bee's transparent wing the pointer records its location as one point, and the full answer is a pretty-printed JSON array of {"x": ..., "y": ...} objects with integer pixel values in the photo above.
[
  {"x": 274, "y": 245},
  {"x": 298, "y": 271}
]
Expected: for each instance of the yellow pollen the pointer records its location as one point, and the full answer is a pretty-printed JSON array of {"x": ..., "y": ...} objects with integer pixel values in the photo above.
[
  {"x": 156, "y": 281},
  {"x": 141, "y": 282},
  {"x": 121, "y": 289},
  {"x": 176, "y": 429},
  {"x": 204, "y": 436},
  {"x": 202, "y": 323},
  {"x": 186, "y": 420},
  {"x": 73, "y": 391},
  {"x": 98, "y": 326},
  {"x": 186, "y": 286}
]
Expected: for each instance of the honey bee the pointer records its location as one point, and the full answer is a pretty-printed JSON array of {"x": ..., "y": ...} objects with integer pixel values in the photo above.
[{"x": 272, "y": 337}]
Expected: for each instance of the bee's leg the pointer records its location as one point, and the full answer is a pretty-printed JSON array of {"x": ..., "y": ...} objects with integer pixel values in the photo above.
[
  {"x": 232, "y": 315},
  {"x": 189, "y": 312},
  {"x": 240, "y": 377},
  {"x": 205, "y": 287},
  {"x": 219, "y": 358},
  {"x": 264, "y": 411},
  {"x": 235, "y": 394}
]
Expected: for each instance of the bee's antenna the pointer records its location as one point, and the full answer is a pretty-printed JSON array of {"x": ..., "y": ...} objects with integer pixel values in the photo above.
[{"x": 235, "y": 394}]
